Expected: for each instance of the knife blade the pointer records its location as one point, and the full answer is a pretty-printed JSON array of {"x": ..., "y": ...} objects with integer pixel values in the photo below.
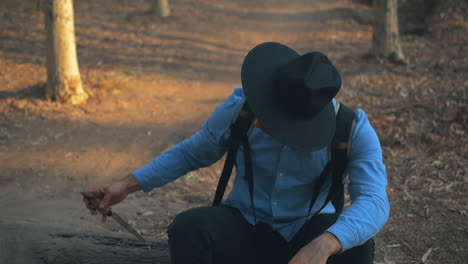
[{"x": 95, "y": 201}]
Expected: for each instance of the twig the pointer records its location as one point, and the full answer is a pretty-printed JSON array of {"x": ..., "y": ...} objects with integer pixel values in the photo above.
[
  {"x": 426, "y": 255},
  {"x": 92, "y": 122},
  {"x": 405, "y": 189},
  {"x": 84, "y": 110}
]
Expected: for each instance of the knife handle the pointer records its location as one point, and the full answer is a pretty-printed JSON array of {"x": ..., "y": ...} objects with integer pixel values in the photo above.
[{"x": 95, "y": 201}]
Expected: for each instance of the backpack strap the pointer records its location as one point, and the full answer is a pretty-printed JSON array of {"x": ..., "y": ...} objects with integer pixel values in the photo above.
[
  {"x": 248, "y": 172},
  {"x": 337, "y": 160},
  {"x": 339, "y": 154},
  {"x": 240, "y": 128}
]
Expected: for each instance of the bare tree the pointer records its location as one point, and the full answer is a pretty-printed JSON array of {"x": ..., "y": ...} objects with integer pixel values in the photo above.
[
  {"x": 63, "y": 74},
  {"x": 386, "y": 39},
  {"x": 160, "y": 7}
]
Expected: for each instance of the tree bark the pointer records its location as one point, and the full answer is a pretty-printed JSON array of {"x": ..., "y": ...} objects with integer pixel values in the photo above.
[
  {"x": 386, "y": 38},
  {"x": 63, "y": 74},
  {"x": 160, "y": 8}
]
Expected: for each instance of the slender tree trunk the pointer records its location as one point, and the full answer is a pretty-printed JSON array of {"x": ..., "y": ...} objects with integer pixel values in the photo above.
[
  {"x": 386, "y": 39},
  {"x": 160, "y": 7},
  {"x": 63, "y": 74}
]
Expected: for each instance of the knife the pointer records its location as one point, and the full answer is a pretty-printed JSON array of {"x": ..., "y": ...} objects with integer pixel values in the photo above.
[{"x": 96, "y": 201}]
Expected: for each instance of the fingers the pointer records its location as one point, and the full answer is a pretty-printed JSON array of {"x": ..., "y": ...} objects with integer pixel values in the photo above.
[
  {"x": 104, "y": 206},
  {"x": 90, "y": 206},
  {"x": 99, "y": 192},
  {"x": 105, "y": 202},
  {"x": 109, "y": 195},
  {"x": 93, "y": 210}
]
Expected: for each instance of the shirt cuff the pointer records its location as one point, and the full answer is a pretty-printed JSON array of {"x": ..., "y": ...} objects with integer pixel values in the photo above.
[
  {"x": 345, "y": 234},
  {"x": 143, "y": 176}
]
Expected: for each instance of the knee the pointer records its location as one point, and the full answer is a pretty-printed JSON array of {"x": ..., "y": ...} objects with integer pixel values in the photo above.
[
  {"x": 187, "y": 222},
  {"x": 366, "y": 252},
  {"x": 368, "y": 248}
]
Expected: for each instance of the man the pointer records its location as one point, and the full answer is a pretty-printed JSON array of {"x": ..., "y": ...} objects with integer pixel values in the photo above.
[{"x": 292, "y": 98}]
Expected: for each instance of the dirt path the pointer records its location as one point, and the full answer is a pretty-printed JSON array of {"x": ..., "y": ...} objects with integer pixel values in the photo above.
[{"x": 155, "y": 81}]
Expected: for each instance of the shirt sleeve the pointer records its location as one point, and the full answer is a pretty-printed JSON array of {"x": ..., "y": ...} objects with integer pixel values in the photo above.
[
  {"x": 370, "y": 208},
  {"x": 202, "y": 149}
]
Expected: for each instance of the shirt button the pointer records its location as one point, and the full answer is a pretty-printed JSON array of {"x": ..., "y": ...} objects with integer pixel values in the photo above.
[
  {"x": 281, "y": 174},
  {"x": 275, "y": 203}
]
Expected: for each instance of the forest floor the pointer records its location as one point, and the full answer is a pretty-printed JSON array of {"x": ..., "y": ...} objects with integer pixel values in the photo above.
[{"x": 155, "y": 81}]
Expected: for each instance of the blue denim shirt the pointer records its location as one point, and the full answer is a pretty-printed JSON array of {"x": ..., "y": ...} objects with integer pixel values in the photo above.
[{"x": 284, "y": 176}]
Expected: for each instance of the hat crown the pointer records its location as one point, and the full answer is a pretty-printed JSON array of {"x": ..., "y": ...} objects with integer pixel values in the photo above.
[
  {"x": 304, "y": 86},
  {"x": 291, "y": 94}
]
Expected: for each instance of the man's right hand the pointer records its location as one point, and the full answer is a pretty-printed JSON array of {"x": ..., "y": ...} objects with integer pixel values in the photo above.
[{"x": 111, "y": 194}]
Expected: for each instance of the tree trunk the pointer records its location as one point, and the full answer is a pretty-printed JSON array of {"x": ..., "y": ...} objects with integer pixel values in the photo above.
[
  {"x": 63, "y": 75},
  {"x": 160, "y": 7},
  {"x": 386, "y": 39}
]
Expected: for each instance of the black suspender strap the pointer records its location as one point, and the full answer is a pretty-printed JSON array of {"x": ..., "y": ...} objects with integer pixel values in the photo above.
[{"x": 240, "y": 129}]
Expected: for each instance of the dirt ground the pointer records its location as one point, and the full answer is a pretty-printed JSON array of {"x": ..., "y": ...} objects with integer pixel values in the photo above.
[{"x": 155, "y": 81}]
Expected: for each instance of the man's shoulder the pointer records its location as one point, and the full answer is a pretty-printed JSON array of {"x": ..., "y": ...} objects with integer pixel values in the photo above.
[
  {"x": 238, "y": 93},
  {"x": 232, "y": 103},
  {"x": 234, "y": 100},
  {"x": 222, "y": 116},
  {"x": 365, "y": 138}
]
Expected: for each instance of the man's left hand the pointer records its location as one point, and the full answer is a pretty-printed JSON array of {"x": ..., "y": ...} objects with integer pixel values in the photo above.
[{"x": 318, "y": 250}]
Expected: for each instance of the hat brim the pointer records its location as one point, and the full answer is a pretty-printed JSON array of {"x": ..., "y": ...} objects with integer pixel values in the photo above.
[{"x": 257, "y": 73}]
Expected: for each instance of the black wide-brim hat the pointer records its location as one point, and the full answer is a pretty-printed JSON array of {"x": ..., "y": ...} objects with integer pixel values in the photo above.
[{"x": 291, "y": 95}]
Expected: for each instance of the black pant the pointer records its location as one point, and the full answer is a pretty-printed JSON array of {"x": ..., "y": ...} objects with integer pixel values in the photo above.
[{"x": 221, "y": 235}]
